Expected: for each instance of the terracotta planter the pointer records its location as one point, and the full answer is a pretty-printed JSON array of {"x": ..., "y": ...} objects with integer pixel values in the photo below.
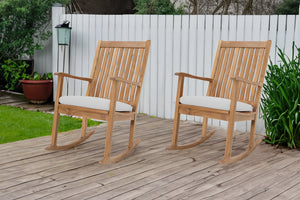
[{"x": 37, "y": 92}]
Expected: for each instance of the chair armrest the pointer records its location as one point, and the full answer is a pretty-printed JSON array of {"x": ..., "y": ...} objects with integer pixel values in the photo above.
[
  {"x": 238, "y": 78},
  {"x": 72, "y": 76},
  {"x": 125, "y": 81},
  {"x": 194, "y": 77}
]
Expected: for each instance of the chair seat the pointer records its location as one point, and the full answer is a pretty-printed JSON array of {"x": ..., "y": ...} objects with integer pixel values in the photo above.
[
  {"x": 93, "y": 102},
  {"x": 214, "y": 102}
]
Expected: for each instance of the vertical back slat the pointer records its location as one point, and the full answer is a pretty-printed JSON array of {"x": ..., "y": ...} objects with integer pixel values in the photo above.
[
  {"x": 101, "y": 71},
  {"x": 95, "y": 70},
  {"x": 257, "y": 73},
  {"x": 136, "y": 74},
  {"x": 244, "y": 64},
  {"x": 246, "y": 74},
  {"x": 107, "y": 70},
  {"x": 254, "y": 68},
  {"x": 131, "y": 72},
  {"x": 228, "y": 69},
  {"x": 222, "y": 73},
  {"x": 120, "y": 57},
  {"x": 232, "y": 72},
  {"x": 111, "y": 73},
  {"x": 217, "y": 71},
  {"x": 126, "y": 72},
  {"x": 142, "y": 73}
]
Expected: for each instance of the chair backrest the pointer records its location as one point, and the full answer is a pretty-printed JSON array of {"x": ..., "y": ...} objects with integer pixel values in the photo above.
[
  {"x": 127, "y": 60},
  {"x": 247, "y": 59}
]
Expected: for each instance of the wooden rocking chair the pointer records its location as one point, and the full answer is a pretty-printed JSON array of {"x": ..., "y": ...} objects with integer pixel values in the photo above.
[
  {"x": 113, "y": 93},
  {"x": 233, "y": 93}
]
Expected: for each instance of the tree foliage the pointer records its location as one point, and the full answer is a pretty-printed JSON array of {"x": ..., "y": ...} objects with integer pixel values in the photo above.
[
  {"x": 289, "y": 7},
  {"x": 23, "y": 26},
  {"x": 157, "y": 7},
  {"x": 232, "y": 7}
]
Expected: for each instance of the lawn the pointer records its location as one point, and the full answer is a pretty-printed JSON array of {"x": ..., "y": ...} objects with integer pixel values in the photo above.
[{"x": 17, "y": 124}]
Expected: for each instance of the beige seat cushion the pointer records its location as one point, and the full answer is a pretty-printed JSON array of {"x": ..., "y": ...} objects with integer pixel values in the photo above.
[
  {"x": 214, "y": 102},
  {"x": 93, "y": 102}
]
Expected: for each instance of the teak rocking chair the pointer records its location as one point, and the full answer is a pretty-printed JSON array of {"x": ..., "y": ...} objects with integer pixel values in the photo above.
[
  {"x": 113, "y": 93},
  {"x": 233, "y": 93}
]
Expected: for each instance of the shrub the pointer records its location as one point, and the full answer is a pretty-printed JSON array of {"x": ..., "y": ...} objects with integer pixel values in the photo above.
[
  {"x": 13, "y": 71},
  {"x": 23, "y": 26},
  {"x": 157, "y": 7},
  {"x": 288, "y": 7},
  {"x": 281, "y": 101}
]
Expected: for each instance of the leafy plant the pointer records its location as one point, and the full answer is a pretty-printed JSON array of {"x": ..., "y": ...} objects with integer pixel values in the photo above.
[
  {"x": 158, "y": 7},
  {"x": 13, "y": 71},
  {"x": 37, "y": 77},
  {"x": 281, "y": 101}
]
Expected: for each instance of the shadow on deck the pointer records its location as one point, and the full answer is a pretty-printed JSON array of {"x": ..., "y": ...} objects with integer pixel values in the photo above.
[{"x": 27, "y": 171}]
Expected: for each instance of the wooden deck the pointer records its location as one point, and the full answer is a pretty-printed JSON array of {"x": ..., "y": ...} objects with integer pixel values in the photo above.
[
  {"x": 19, "y": 100},
  {"x": 27, "y": 171}
]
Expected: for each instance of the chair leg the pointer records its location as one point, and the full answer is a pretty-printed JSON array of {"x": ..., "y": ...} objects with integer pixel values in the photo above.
[
  {"x": 204, "y": 137},
  {"x": 204, "y": 126},
  {"x": 108, "y": 139},
  {"x": 131, "y": 145},
  {"x": 84, "y": 135},
  {"x": 83, "y": 127},
  {"x": 54, "y": 129},
  {"x": 252, "y": 144},
  {"x": 175, "y": 130},
  {"x": 228, "y": 147}
]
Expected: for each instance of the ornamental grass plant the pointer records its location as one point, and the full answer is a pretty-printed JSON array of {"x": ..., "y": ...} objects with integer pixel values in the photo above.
[{"x": 280, "y": 102}]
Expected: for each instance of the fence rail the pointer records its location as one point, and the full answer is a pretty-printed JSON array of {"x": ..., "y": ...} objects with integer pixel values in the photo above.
[{"x": 184, "y": 43}]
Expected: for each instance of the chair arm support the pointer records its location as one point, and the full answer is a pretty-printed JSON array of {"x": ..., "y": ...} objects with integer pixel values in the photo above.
[
  {"x": 72, "y": 76},
  {"x": 193, "y": 76},
  {"x": 125, "y": 81},
  {"x": 238, "y": 78}
]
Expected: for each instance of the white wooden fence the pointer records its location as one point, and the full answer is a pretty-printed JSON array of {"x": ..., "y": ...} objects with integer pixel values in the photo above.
[{"x": 184, "y": 43}]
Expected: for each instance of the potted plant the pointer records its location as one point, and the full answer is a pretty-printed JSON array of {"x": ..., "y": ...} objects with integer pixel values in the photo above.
[{"x": 37, "y": 89}]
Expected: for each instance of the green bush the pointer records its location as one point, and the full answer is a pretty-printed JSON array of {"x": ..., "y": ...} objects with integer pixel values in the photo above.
[
  {"x": 157, "y": 7},
  {"x": 288, "y": 7},
  {"x": 13, "y": 72},
  {"x": 23, "y": 25},
  {"x": 281, "y": 101}
]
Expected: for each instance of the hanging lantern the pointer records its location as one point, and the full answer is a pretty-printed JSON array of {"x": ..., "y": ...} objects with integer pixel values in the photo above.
[{"x": 63, "y": 33}]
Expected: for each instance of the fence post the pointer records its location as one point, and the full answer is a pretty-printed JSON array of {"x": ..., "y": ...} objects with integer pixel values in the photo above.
[{"x": 57, "y": 11}]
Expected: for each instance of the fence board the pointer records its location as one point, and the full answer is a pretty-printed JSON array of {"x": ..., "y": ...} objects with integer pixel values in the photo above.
[
  {"x": 184, "y": 64},
  {"x": 200, "y": 56},
  {"x": 146, "y": 86},
  {"x": 178, "y": 43},
  {"x": 169, "y": 102},
  {"x": 176, "y": 53},
  {"x": 153, "y": 65},
  {"x": 161, "y": 66}
]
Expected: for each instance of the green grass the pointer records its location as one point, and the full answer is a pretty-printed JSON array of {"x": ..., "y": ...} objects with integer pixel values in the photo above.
[{"x": 17, "y": 124}]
